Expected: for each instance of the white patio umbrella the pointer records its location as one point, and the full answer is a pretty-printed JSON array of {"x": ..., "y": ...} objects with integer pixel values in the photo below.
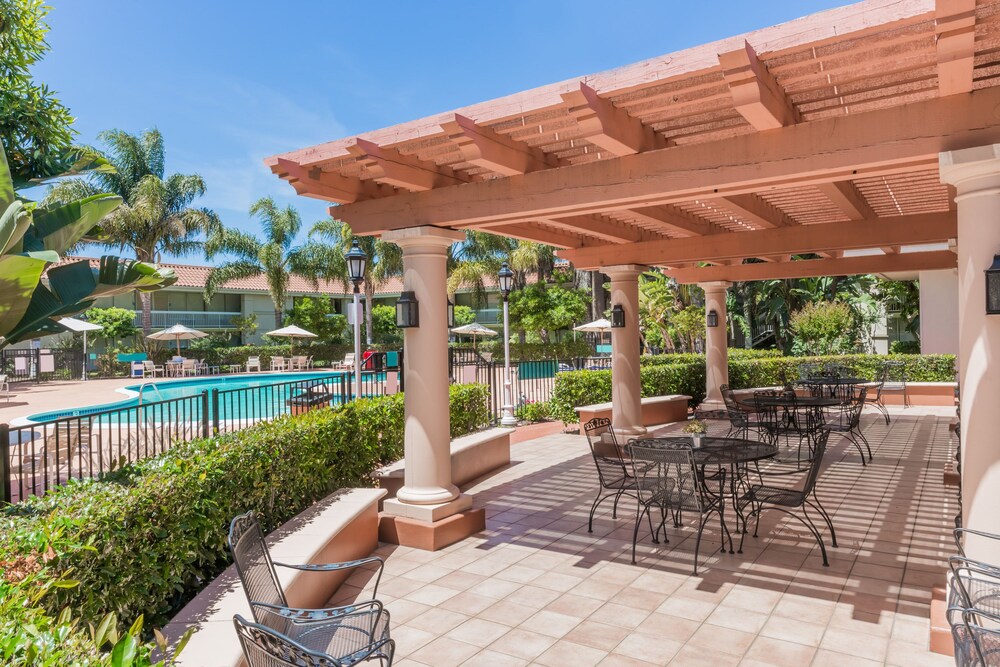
[
  {"x": 177, "y": 333},
  {"x": 474, "y": 329},
  {"x": 291, "y": 332},
  {"x": 78, "y": 326},
  {"x": 597, "y": 326}
]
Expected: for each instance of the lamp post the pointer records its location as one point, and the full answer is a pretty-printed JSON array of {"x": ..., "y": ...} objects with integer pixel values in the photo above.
[
  {"x": 505, "y": 280},
  {"x": 356, "y": 260}
]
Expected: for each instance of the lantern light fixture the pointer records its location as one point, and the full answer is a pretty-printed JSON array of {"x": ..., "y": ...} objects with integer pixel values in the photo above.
[
  {"x": 356, "y": 261},
  {"x": 407, "y": 311},
  {"x": 993, "y": 287},
  {"x": 712, "y": 319},
  {"x": 451, "y": 314},
  {"x": 618, "y": 317},
  {"x": 505, "y": 280}
]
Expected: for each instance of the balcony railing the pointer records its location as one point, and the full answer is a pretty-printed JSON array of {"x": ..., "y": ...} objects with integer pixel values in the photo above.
[
  {"x": 488, "y": 316},
  {"x": 189, "y": 318}
]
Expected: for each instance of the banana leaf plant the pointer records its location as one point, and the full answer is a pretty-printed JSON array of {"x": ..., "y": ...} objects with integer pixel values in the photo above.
[{"x": 35, "y": 290}]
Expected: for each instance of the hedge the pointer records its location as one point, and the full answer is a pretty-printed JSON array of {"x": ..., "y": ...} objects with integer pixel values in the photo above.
[
  {"x": 685, "y": 374},
  {"x": 688, "y": 357},
  {"x": 146, "y": 539},
  {"x": 569, "y": 349}
]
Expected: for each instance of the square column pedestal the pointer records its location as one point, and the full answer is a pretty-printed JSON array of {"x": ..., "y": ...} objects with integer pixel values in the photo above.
[{"x": 428, "y": 512}]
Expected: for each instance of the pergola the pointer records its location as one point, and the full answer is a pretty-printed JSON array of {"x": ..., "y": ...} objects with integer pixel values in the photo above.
[{"x": 861, "y": 138}]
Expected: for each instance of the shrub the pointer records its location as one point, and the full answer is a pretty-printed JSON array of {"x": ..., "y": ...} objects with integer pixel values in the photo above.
[
  {"x": 533, "y": 411},
  {"x": 823, "y": 328},
  {"x": 156, "y": 530},
  {"x": 686, "y": 375},
  {"x": 567, "y": 349},
  {"x": 904, "y": 347},
  {"x": 735, "y": 353}
]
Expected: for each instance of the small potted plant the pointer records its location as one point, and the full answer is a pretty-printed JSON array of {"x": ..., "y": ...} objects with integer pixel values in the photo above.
[{"x": 697, "y": 429}]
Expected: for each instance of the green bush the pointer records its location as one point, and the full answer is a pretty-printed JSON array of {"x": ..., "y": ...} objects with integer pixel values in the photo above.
[
  {"x": 824, "y": 327},
  {"x": 904, "y": 347},
  {"x": 155, "y": 532},
  {"x": 535, "y": 411},
  {"x": 689, "y": 357},
  {"x": 567, "y": 349},
  {"x": 685, "y": 374}
]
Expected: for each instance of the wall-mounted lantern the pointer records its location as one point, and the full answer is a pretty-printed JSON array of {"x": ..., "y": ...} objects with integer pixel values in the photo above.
[
  {"x": 407, "y": 311},
  {"x": 451, "y": 314},
  {"x": 617, "y": 317},
  {"x": 713, "y": 318},
  {"x": 993, "y": 287}
]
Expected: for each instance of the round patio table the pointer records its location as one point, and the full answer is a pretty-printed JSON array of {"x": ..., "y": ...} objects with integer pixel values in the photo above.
[
  {"x": 716, "y": 450},
  {"x": 789, "y": 402}
]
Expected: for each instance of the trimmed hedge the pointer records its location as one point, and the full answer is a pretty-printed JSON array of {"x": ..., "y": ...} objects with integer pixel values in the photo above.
[
  {"x": 685, "y": 374},
  {"x": 735, "y": 353},
  {"x": 158, "y": 528},
  {"x": 569, "y": 349}
]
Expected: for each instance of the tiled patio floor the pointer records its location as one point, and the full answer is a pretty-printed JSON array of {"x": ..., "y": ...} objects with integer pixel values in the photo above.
[{"x": 537, "y": 589}]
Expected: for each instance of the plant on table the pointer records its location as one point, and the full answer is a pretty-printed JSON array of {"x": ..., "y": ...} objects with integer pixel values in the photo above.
[{"x": 695, "y": 427}]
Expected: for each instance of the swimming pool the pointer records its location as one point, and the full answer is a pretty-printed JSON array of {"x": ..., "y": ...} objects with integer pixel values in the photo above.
[{"x": 265, "y": 396}]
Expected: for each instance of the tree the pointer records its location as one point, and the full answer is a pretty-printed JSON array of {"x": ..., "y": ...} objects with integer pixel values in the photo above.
[
  {"x": 36, "y": 128},
  {"x": 544, "y": 309},
  {"x": 157, "y": 215},
  {"x": 32, "y": 237},
  {"x": 117, "y": 323},
  {"x": 318, "y": 315},
  {"x": 464, "y": 315},
  {"x": 385, "y": 331},
  {"x": 273, "y": 255},
  {"x": 823, "y": 328},
  {"x": 385, "y": 261},
  {"x": 246, "y": 324}
]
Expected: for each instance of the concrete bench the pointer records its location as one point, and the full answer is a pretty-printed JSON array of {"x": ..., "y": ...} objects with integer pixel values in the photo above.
[
  {"x": 341, "y": 527},
  {"x": 655, "y": 410},
  {"x": 472, "y": 456}
]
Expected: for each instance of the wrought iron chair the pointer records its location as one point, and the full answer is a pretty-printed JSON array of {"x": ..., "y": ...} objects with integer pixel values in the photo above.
[
  {"x": 845, "y": 419},
  {"x": 613, "y": 473},
  {"x": 810, "y": 369},
  {"x": 760, "y": 498},
  {"x": 669, "y": 480},
  {"x": 741, "y": 422},
  {"x": 876, "y": 400},
  {"x": 263, "y": 647},
  {"x": 314, "y": 628},
  {"x": 975, "y": 644},
  {"x": 895, "y": 379},
  {"x": 838, "y": 370}
]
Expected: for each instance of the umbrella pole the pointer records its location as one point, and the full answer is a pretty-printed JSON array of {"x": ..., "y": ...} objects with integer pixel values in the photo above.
[{"x": 85, "y": 356}]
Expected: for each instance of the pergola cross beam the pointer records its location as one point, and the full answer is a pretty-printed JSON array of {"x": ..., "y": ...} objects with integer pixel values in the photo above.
[
  {"x": 955, "y": 27},
  {"x": 485, "y": 147},
  {"x": 757, "y": 95},
  {"x": 608, "y": 127},
  {"x": 407, "y": 172}
]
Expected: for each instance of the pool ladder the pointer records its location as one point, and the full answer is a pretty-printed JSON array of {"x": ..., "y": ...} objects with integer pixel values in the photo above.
[{"x": 149, "y": 384}]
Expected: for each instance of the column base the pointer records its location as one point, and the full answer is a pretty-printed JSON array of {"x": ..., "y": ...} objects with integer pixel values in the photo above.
[
  {"x": 712, "y": 405},
  {"x": 630, "y": 431},
  {"x": 430, "y": 527}
]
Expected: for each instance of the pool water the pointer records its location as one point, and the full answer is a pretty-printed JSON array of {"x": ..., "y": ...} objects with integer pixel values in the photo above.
[{"x": 262, "y": 399}]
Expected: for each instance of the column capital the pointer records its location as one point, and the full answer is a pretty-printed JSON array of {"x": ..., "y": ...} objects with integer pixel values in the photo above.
[
  {"x": 972, "y": 171},
  {"x": 624, "y": 271},
  {"x": 425, "y": 236},
  {"x": 715, "y": 286}
]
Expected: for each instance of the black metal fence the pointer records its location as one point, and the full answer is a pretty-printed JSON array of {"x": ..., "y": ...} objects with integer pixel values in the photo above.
[{"x": 26, "y": 365}]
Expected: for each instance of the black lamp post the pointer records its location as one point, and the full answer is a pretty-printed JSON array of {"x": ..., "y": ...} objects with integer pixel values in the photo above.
[
  {"x": 505, "y": 280},
  {"x": 356, "y": 260}
]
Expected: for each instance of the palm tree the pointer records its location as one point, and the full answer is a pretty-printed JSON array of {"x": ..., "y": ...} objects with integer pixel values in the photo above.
[
  {"x": 385, "y": 260},
  {"x": 157, "y": 215},
  {"x": 273, "y": 255}
]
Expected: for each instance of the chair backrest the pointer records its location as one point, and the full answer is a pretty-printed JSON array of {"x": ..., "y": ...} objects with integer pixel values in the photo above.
[
  {"x": 975, "y": 645},
  {"x": 188, "y": 364},
  {"x": 666, "y": 476},
  {"x": 611, "y": 467},
  {"x": 737, "y": 417},
  {"x": 858, "y": 405},
  {"x": 349, "y": 359},
  {"x": 147, "y": 366},
  {"x": 819, "y": 439},
  {"x": 974, "y": 585},
  {"x": 894, "y": 374},
  {"x": 253, "y": 360},
  {"x": 263, "y": 647},
  {"x": 253, "y": 561},
  {"x": 838, "y": 370},
  {"x": 809, "y": 369}
]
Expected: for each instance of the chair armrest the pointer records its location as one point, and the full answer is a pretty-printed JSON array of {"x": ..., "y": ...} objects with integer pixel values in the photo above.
[
  {"x": 302, "y": 615},
  {"x": 959, "y": 532},
  {"x": 346, "y": 565}
]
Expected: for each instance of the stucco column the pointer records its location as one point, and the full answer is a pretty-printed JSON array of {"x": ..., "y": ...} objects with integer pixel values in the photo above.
[
  {"x": 427, "y": 441},
  {"x": 975, "y": 173},
  {"x": 716, "y": 345},
  {"x": 626, "y": 384},
  {"x": 939, "y": 311}
]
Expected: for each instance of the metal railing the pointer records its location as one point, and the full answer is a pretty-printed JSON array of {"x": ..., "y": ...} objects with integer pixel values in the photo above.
[
  {"x": 23, "y": 365},
  {"x": 189, "y": 318}
]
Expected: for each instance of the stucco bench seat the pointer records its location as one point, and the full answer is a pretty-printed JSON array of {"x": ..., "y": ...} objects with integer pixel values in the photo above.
[
  {"x": 655, "y": 410},
  {"x": 341, "y": 527},
  {"x": 472, "y": 457}
]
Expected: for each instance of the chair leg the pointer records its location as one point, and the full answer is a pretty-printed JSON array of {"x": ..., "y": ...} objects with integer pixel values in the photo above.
[
  {"x": 697, "y": 542},
  {"x": 614, "y": 509},
  {"x": 849, "y": 436},
  {"x": 593, "y": 508},
  {"x": 826, "y": 517}
]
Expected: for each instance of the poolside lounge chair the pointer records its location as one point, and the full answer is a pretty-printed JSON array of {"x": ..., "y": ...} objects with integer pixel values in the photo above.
[
  {"x": 299, "y": 363},
  {"x": 149, "y": 369},
  {"x": 253, "y": 363},
  {"x": 189, "y": 367},
  {"x": 348, "y": 361},
  {"x": 279, "y": 364},
  {"x": 5, "y": 386}
]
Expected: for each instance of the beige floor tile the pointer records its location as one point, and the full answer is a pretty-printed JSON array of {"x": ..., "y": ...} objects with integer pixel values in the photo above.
[
  {"x": 489, "y": 658},
  {"x": 793, "y": 630},
  {"x": 620, "y": 615},
  {"x": 851, "y": 643},
  {"x": 616, "y": 660},
  {"x": 781, "y": 653},
  {"x": 697, "y": 656},
  {"x": 648, "y": 647},
  {"x": 523, "y": 644},
  {"x": 410, "y": 639},
  {"x": 437, "y": 620},
  {"x": 826, "y": 658},
  {"x": 445, "y": 652},
  {"x": 669, "y": 627},
  {"x": 597, "y": 635},
  {"x": 478, "y": 632},
  {"x": 566, "y": 654},
  {"x": 506, "y": 612},
  {"x": 550, "y": 623},
  {"x": 575, "y": 605}
]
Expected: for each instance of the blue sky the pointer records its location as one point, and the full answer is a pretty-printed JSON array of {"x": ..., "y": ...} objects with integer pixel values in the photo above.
[{"x": 229, "y": 83}]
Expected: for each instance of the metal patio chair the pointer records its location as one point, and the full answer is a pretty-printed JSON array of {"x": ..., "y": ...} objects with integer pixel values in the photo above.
[
  {"x": 263, "y": 647},
  {"x": 613, "y": 472},
  {"x": 845, "y": 419},
  {"x": 976, "y": 645},
  {"x": 316, "y": 629},
  {"x": 760, "y": 498},
  {"x": 670, "y": 481},
  {"x": 894, "y": 379},
  {"x": 741, "y": 421}
]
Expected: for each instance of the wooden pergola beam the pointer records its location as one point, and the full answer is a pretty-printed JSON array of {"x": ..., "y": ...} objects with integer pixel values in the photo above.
[
  {"x": 608, "y": 127},
  {"x": 326, "y": 186},
  {"x": 528, "y": 232},
  {"x": 805, "y": 268},
  {"x": 756, "y": 94},
  {"x": 888, "y": 141},
  {"x": 486, "y": 148},
  {"x": 955, "y": 26},
  {"x": 606, "y": 230},
  {"x": 846, "y": 196},
  {"x": 673, "y": 220},
  {"x": 797, "y": 240},
  {"x": 391, "y": 167},
  {"x": 755, "y": 209}
]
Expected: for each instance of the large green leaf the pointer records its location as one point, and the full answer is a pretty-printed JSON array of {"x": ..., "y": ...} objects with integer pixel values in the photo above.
[
  {"x": 19, "y": 277},
  {"x": 14, "y": 221},
  {"x": 6, "y": 182},
  {"x": 59, "y": 227},
  {"x": 72, "y": 288}
]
